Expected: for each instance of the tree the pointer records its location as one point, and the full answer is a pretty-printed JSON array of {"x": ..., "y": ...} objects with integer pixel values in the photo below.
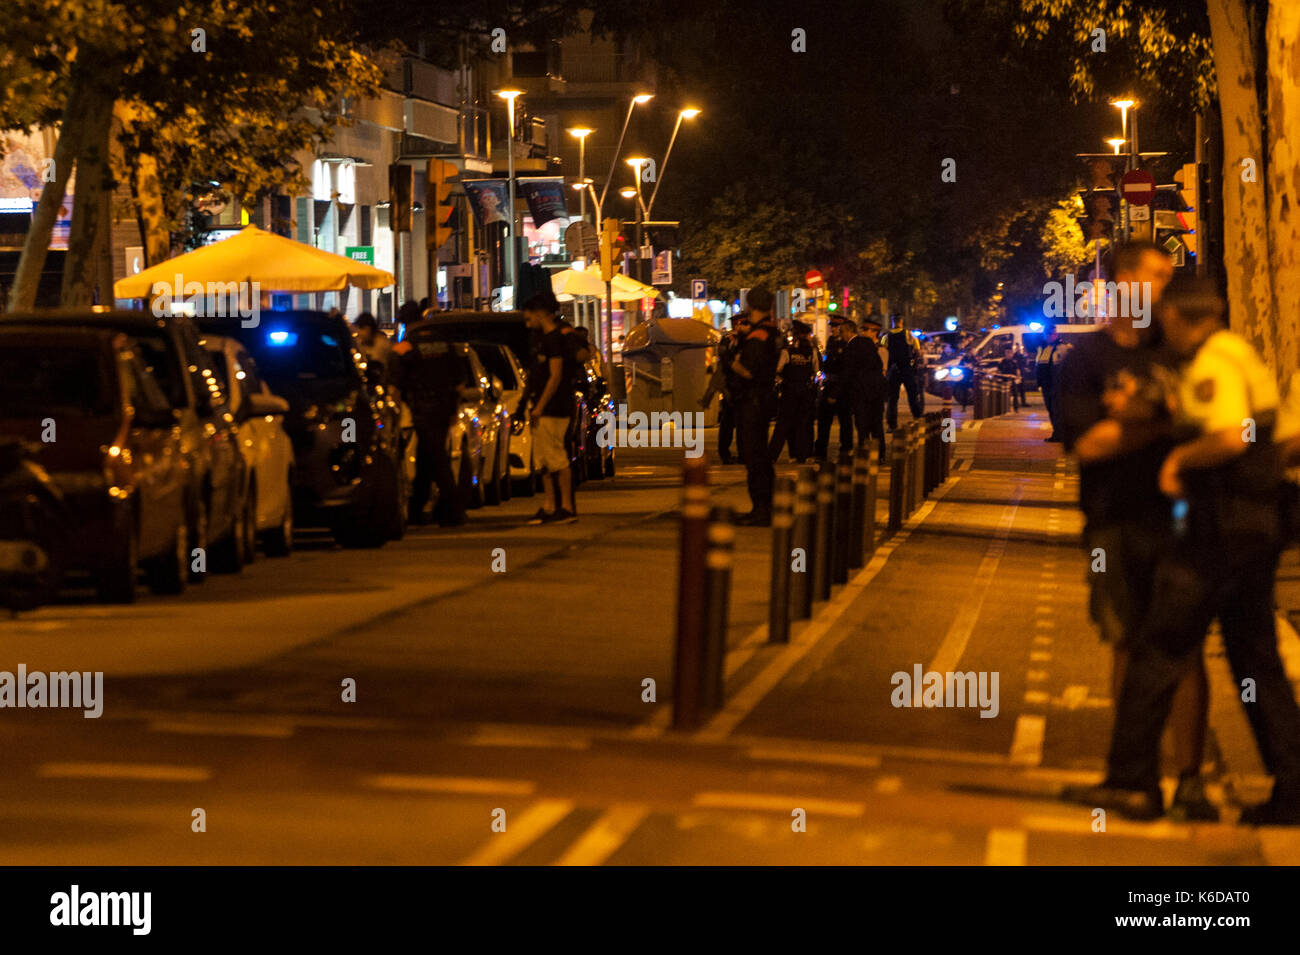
[{"x": 207, "y": 87}]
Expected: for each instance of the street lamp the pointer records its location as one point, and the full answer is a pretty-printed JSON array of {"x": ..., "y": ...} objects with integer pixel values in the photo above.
[
  {"x": 1115, "y": 144},
  {"x": 689, "y": 112},
  {"x": 581, "y": 133},
  {"x": 1124, "y": 105},
  {"x": 636, "y": 162},
  {"x": 638, "y": 100},
  {"x": 512, "y": 256}
]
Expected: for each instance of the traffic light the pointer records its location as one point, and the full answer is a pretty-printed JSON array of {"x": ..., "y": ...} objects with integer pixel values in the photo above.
[
  {"x": 1098, "y": 221},
  {"x": 401, "y": 183},
  {"x": 611, "y": 250},
  {"x": 1188, "y": 180},
  {"x": 438, "y": 203}
]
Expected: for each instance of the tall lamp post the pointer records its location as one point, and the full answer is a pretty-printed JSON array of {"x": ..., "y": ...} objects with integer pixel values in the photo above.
[
  {"x": 637, "y": 100},
  {"x": 581, "y": 133},
  {"x": 636, "y": 162},
  {"x": 608, "y": 332},
  {"x": 1124, "y": 105},
  {"x": 689, "y": 113},
  {"x": 512, "y": 250}
]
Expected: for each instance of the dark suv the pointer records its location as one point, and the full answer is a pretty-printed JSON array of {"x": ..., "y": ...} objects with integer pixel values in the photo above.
[
  {"x": 216, "y": 511},
  {"x": 349, "y": 472},
  {"x": 99, "y": 425}
]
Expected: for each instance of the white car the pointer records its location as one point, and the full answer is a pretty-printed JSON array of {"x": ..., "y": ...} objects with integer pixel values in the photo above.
[
  {"x": 267, "y": 450},
  {"x": 501, "y": 363}
]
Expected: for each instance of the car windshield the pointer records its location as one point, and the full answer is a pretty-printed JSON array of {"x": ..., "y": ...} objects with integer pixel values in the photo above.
[
  {"x": 160, "y": 358},
  {"x": 497, "y": 364},
  {"x": 285, "y": 354},
  {"x": 48, "y": 381}
]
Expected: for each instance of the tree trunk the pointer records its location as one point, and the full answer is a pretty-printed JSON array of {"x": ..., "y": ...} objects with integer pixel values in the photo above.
[
  {"x": 1283, "y": 44},
  {"x": 1246, "y": 255},
  {"x": 76, "y": 113},
  {"x": 94, "y": 175},
  {"x": 150, "y": 214}
]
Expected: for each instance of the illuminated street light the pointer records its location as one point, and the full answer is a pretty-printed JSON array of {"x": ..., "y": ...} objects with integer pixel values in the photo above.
[
  {"x": 1116, "y": 143},
  {"x": 512, "y": 257},
  {"x": 640, "y": 99},
  {"x": 689, "y": 112},
  {"x": 581, "y": 133}
]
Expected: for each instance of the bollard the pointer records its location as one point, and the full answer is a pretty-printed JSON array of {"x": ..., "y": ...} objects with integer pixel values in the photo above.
[
  {"x": 805, "y": 513},
  {"x": 718, "y": 559},
  {"x": 688, "y": 666},
  {"x": 858, "y": 511},
  {"x": 869, "y": 511},
  {"x": 945, "y": 447},
  {"x": 918, "y": 450},
  {"x": 932, "y": 446},
  {"x": 908, "y": 438},
  {"x": 897, "y": 478},
  {"x": 778, "y": 620},
  {"x": 824, "y": 531},
  {"x": 843, "y": 502},
  {"x": 977, "y": 396}
]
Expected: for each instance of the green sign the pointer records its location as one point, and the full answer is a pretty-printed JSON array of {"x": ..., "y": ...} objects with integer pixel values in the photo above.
[{"x": 361, "y": 253}]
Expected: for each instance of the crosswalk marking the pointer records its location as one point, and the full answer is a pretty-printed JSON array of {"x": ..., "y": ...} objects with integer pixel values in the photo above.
[
  {"x": 606, "y": 835},
  {"x": 1027, "y": 740},
  {"x": 521, "y": 832},
  {"x": 1006, "y": 847}
]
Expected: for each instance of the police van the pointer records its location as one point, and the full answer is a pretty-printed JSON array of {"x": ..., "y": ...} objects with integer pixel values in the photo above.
[{"x": 947, "y": 376}]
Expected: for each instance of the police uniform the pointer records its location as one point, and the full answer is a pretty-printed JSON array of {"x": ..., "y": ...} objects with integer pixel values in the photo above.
[
  {"x": 1222, "y": 565},
  {"x": 759, "y": 353},
  {"x": 830, "y": 406},
  {"x": 796, "y": 405},
  {"x": 864, "y": 389},
  {"x": 1047, "y": 365},
  {"x": 902, "y": 371}
]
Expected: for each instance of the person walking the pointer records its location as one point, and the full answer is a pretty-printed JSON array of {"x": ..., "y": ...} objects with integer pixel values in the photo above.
[
  {"x": 550, "y": 386},
  {"x": 901, "y": 372},
  {"x": 830, "y": 407},
  {"x": 797, "y": 401},
  {"x": 426, "y": 378},
  {"x": 755, "y": 368},
  {"x": 1226, "y": 480},
  {"x": 864, "y": 385},
  {"x": 1114, "y": 393}
]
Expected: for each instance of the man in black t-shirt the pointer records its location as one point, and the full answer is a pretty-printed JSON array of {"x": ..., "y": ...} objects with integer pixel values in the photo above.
[
  {"x": 550, "y": 387},
  {"x": 1113, "y": 391},
  {"x": 755, "y": 370},
  {"x": 796, "y": 405}
]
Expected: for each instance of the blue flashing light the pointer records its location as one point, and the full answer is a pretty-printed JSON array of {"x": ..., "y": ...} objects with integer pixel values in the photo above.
[
  {"x": 1035, "y": 326},
  {"x": 282, "y": 338},
  {"x": 957, "y": 374}
]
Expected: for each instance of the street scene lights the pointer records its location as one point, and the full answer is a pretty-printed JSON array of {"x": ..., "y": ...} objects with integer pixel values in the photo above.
[
  {"x": 512, "y": 251},
  {"x": 640, "y": 99},
  {"x": 1115, "y": 144},
  {"x": 581, "y": 133},
  {"x": 689, "y": 112}
]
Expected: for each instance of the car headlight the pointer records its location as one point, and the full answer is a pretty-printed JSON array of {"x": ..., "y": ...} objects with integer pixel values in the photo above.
[
  {"x": 941, "y": 374},
  {"x": 957, "y": 374}
]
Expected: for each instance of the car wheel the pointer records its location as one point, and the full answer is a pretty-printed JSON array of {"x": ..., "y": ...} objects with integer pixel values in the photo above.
[
  {"x": 197, "y": 532},
  {"x": 250, "y": 525},
  {"x": 115, "y": 582},
  {"x": 609, "y": 462},
  {"x": 507, "y": 485},
  {"x": 492, "y": 487},
  {"x": 278, "y": 541},
  {"x": 167, "y": 573}
]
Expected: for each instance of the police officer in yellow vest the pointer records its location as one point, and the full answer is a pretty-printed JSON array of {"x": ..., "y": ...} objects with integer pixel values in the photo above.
[{"x": 1223, "y": 482}]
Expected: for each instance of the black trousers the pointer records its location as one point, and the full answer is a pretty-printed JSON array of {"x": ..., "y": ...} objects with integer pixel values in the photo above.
[
  {"x": 830, "y": 408},
  {"x": 752, "y": 417},
  {"x": 433, "y": 465},
  {"x": 915, "y": 400},
  {"x": 794, "y": 423},
  {"x": 1189, "y": 592},
  {"x": 869, "y": 417},
  {"x": 1050, "y": 402},
  {"x": 726, "y": 427}
]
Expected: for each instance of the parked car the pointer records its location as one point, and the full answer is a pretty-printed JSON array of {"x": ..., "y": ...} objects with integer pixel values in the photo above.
[
  {"x": 36, "y": 528},
  {"x": 946, "y": 377},
  {"x": 267, "y": 450},
  {"x": 217, "y": 513},
  {"x": 93, "y": 419},
  {"x": 596, "y": 461},
  {"x": 349, "y": 473},
  {"x": 503, "y": 365}
]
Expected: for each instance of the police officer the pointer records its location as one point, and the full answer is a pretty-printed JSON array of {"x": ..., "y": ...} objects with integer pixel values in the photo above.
[
  {"x": 1047, "y": 366},
  {"x": 902, "y": 370},
  {"x": 724, "y": 383},
  {"x": 797, "y": 403},
  {"x": 864, "y": 384},
  {"x": 1229, "y": 473},
  {"x": 755, "y": 369},
  {"x": 830, "y": 406}
]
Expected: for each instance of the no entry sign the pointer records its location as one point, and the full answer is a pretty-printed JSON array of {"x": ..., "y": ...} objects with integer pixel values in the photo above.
[
  {"x": 1138, "y": 187},
  {"x": 813, "y": 278}
]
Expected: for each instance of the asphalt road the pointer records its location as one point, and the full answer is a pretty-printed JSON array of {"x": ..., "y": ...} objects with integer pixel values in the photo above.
[{"x": 513, "y": 700}]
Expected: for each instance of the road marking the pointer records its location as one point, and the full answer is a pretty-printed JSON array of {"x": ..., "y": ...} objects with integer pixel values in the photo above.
[
  {"x": 1027, "y": 740},
  {"x": 606, "y": 835},
  {"x": 802, "y": 756},
  {"x": 749, "y": 696},
  {"x": 1006, "y": 847},
  {"x": 1040, "y": 656},
  {"x": 524, "y": 737},
  {"x": 533, "y": 823},
  {"x": 888, "y": 785},
  {"x": 1081, "y": 822},
  {"x": 1036, "y": 676},
  {"x": 765, "y": 802},
  {"x": 1035, "y": 697},
  {"x": 1042, "y": 641},
  {"x": 463, "y": 785},
  {"x": 958, "y": 636},
  {"x": 145, "y": 772},
  {"x": 184, "y": 727}
]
